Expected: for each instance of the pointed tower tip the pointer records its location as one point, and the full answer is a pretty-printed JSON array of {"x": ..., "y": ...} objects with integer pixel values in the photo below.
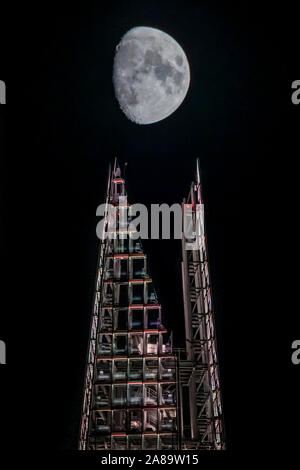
[
  {"x": 117, "y": 169},
  {"x": 198, "y": 170}
]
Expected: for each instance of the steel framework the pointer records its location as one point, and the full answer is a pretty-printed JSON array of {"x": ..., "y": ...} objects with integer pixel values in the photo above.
[
  {"x": 130, "y": 391},
  {"x": 140, "y": 392},
  {"x": 198, "y": 363}
]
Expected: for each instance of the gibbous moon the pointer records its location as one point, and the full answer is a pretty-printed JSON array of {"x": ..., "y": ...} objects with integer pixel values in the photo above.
[{"x": 151, "y": 75}]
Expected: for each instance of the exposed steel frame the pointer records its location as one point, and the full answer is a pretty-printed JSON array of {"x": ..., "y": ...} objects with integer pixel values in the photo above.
[{"x": 198, "y": 364}]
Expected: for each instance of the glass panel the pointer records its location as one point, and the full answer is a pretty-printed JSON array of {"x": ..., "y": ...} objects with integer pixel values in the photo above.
[
  {"x": 120, "y": 344},
  {"x": 166, "y": 343},
  {"x": 135, "y": 421},
  {"x": 137, "y": 319},
  {"x": 119, "y": 421},
  {"x": 135, "y": 371},
  {"x": 167, "y": 442},
  {"x": 150, "y": 442},
  {"x": 138, "y": 267},
  {"x": 110, "y": 248},
  {"x": 106, "y": 319},
  {"x": 108, "y": 294},
  {"x": 150, "y": 420},
  {"x": 136, "y": 246},
  {"x": 150, "y": 369},
  {"x": 153, "y": 318},
  {"x": 120, "y": 370},
  {"x": 136, "y": 344},
  {"x": 150, "y": 395},
  {"x": 167, "y": 419},
  {"x": 151, "y": 343},
  {"x": 123, "y": 217},
  {"x": 121, "y": 295},
  {"x": 121, "y": 317},
  {"x": 124, "y": 269},
  {"x": 151, "y": 297},
  {"x": 121, "y": 245},
  {"x": 118, "y": 442},
  {"x": 137, "y": 293},
  {"x": 168, "y": 394},
  {"x": 134, "y": 442},
  {"x": 99, "y": 443},
  {"x": 167, "y": 369},
  {"x": 101, "y": 422},
  {"x": 109, "y": 269},
  {"x": 135, "y": 394},
  {"x": 105, "y": 345},
  {"x": 102, "y": 396},
  {"x": 104, "y": 371}
]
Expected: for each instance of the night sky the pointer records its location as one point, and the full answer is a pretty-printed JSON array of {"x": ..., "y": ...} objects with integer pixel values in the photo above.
[{"x": 62, "y": 126}]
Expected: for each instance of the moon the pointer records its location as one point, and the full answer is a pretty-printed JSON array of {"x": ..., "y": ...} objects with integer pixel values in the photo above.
[{"x": 151, "y": 75}]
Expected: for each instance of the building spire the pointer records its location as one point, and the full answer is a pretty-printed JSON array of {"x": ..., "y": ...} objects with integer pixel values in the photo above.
[{"x": 198, "y": 170}]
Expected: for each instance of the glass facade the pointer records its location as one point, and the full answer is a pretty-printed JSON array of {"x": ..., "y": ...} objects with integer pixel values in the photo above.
[
  {"x": 131, "y": 398},
  {"x": 138, "y": 394}
]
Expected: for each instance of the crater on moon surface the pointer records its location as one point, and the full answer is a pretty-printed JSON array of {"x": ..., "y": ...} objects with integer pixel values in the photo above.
[{"x": 151, "y": 75}]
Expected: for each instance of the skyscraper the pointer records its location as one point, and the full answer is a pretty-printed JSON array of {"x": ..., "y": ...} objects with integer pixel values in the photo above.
[
  {"x": 139, "y": 391},
  {"x": 130, "y": 393},
  {"x": 202, "y": 424}
]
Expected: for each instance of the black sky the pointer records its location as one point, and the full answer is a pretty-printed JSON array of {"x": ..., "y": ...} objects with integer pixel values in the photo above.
[{"x": 62, "y": 126}]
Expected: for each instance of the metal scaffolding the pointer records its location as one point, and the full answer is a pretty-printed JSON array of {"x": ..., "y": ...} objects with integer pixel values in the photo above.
[
  {"x": 130, "y": 391},
  {"x": 198, "y": 363}
]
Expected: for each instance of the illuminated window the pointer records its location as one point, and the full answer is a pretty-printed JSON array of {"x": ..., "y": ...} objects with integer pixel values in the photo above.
[
  {"x": 101, "y": 422},
  {"x": 167, "y": 442},
  {"x": 104, "y": 371},
  {"x": 120, "y": 344},
  {"x": 166, "y": 343},
  {"x": 137, "y": 293},
  {"x": 119, "y": 395},
  {"x": 150, "y": 395},
  {"x": 135, "y": 394},
  {"x": 108, "y": 294},
  {"x": 150, "y": 369},
  {"x": 167, "y": 369},
  {"x": 137, "y": 319},
  {"x": 118, "y": 442},
  {"x": 167, "y": 419},
  {"x": 121, "y": 268},
  {"x": 150, "y": 420},
  {"x": 121, "y": 295},
  {"x": 151, "y": 297},
  {"x": 136, "y": 344},
  {"x": 134, "y": 442},
  {"x": 152, "y": 343},
  {"x": 136, "y": 246},
  {"x": 153, "y": 318},
  {"x": 167, "y": 394},
  {"x": 105, "y": 345},
  {"x": 120, "y": 320},
  {"x": 121, "y": 245},
  {"x": 149, "y": 442},
  {"x": 109, "y": 269},
  {"x": 120, "y": 369},
  {"x": 135, "y": 421},
  {"x": 138, "y": 268},
  {"x": 119, "y": 421},
  {"x": 106, "y": 319},
  {"x": 135, "y": 369},
  {"x": 102, "y": 396}
]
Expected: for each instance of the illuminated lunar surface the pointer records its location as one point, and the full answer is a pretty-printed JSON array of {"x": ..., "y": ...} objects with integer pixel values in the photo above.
[{"x": 151, "y": 75}]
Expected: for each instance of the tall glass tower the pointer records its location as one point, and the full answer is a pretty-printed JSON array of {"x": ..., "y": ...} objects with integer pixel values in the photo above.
[
  {"x": 130, "y": 391},
  {"x": 201, "y": 410}
]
